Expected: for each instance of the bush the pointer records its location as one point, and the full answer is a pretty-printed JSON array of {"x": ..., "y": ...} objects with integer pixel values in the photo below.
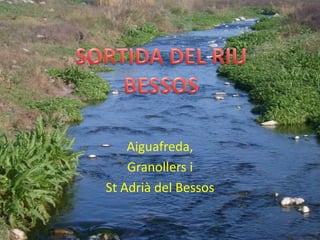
[
  {"x": 283, "y": 79},
  {"x": 34, "y": 167},
  {"x": 60, "y": 109},
  {"x": 140, "y": 35},
  {"x": 88, "y": 86}
]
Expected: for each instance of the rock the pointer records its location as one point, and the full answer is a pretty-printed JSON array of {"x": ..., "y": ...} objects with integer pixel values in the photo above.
[
  {"x": 235, "y": 95},
  {"x": 238, "y": 107},
  {"x": 221, "y": 93},
  {"x": 40, "y": 36},
  {"x": 237, "y": 19},
  {"x": 105, "y": 145},
  {"x": 92, "y": 156},
  {"x": 287, "y": 201},
  {"x": 297, "y": 138},
  {"x": 298, "y": 201},
  {"x": 227, "y": 83},
  {"x": 276, "y": 194},
  {"x": 269, "y": 123},
  {"x": 213, "y": 45},
  {"x": 26, "y": 50},
  {"x": 304, "y": 209},
  {"x": 242, "y": 18},
  {"x": 219, "y": 98},
  {"x": 18, "y": 234},
  {"x": 115, "y": 92}
]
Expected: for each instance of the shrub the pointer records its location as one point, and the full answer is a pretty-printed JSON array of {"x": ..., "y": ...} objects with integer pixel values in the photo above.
[
  {"x": 88, "y": 86},
  {"x": 34, "y": 167}
]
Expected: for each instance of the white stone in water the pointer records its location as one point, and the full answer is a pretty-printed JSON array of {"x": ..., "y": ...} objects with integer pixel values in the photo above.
[
  {"x": 115, "y": 92},
  {"x": 269, "y": 123},
  {"x": 219, "y": 98},
  {"x": 298, "y": 201},
  {"x": 235, "y": 95},
  {"x": 92, "y": 156},
  {"x": 221, "y": 93},
  {"x": 227, "y": 83},
  {"x": 105, "y": 145},
  {"x": 296, "y": 138},
  {"x": 304, "y": 209},
  {"x": 18, "y": 234},
  {"x": 287, "y": 201},
  {"x": 276, "y": 194}
]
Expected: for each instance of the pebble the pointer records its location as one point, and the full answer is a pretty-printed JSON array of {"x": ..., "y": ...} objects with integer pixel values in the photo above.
[
  {"x": 40, "y": 36},
  {"x": 227, "y": 83},
  {"x": 269, "y": 123},
  {"x": 304, "y": 209},
  {"x": 105, "y": 145},
  {"x": 18, "y": 234},
  {"x": 115, "y": 92},
  {"x": 287, "y": 201},
  {"x": 219, "y": 98},
  {"x": 235, "y": 95},
  {"x": 92, "y": 156},
  {"x": 298, "y": 201},
  {"x": 297, "y": 138}
]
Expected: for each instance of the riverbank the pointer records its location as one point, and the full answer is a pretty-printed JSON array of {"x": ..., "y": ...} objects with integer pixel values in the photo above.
[
  {"x": 281, "y": 74},
  {"x": 41, "y": 80}
]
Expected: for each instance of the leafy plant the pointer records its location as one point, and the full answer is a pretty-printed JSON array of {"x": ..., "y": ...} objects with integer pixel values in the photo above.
[
  {"x": 57, "y": 109},
  {"x": 283, "y": 79},
  {"x": 88, "y": 86},
  {"x": 139, "y": 35},
  {"x": 34, "y": 167}
]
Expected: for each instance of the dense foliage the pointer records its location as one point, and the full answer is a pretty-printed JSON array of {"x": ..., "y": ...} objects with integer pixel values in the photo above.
[
  {"x": 281, "y": 73},
  {"x": 88, "y": 85},
  {"x": 63, "y": 109},
  {"x": 33, "y": 170},
  {"x": 140, "y": 35}
]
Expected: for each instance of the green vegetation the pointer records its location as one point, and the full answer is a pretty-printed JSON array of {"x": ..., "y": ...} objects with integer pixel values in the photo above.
[
  {"x": 139, "y": 35},
  {"x": 206, "y": 19},
  {"x": 34, "y": 168},
  {"x": 88, "y": 86},
  {"x": 281, "y": 73},
  {"x": 60, "y": 110}
]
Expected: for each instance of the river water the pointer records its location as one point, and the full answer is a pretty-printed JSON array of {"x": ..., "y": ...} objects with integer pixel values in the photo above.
[{"x": 245, "y": 162}]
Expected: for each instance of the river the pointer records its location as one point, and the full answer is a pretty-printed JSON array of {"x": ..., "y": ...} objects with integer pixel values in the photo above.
[{"x": 246, "y": 163}]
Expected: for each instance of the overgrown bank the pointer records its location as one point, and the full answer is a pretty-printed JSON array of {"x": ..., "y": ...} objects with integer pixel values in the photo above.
[
  {"x": 41, "y": 80},
  {"x": 37, "y": 161},
  {"x": 281, "y": 73}
]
